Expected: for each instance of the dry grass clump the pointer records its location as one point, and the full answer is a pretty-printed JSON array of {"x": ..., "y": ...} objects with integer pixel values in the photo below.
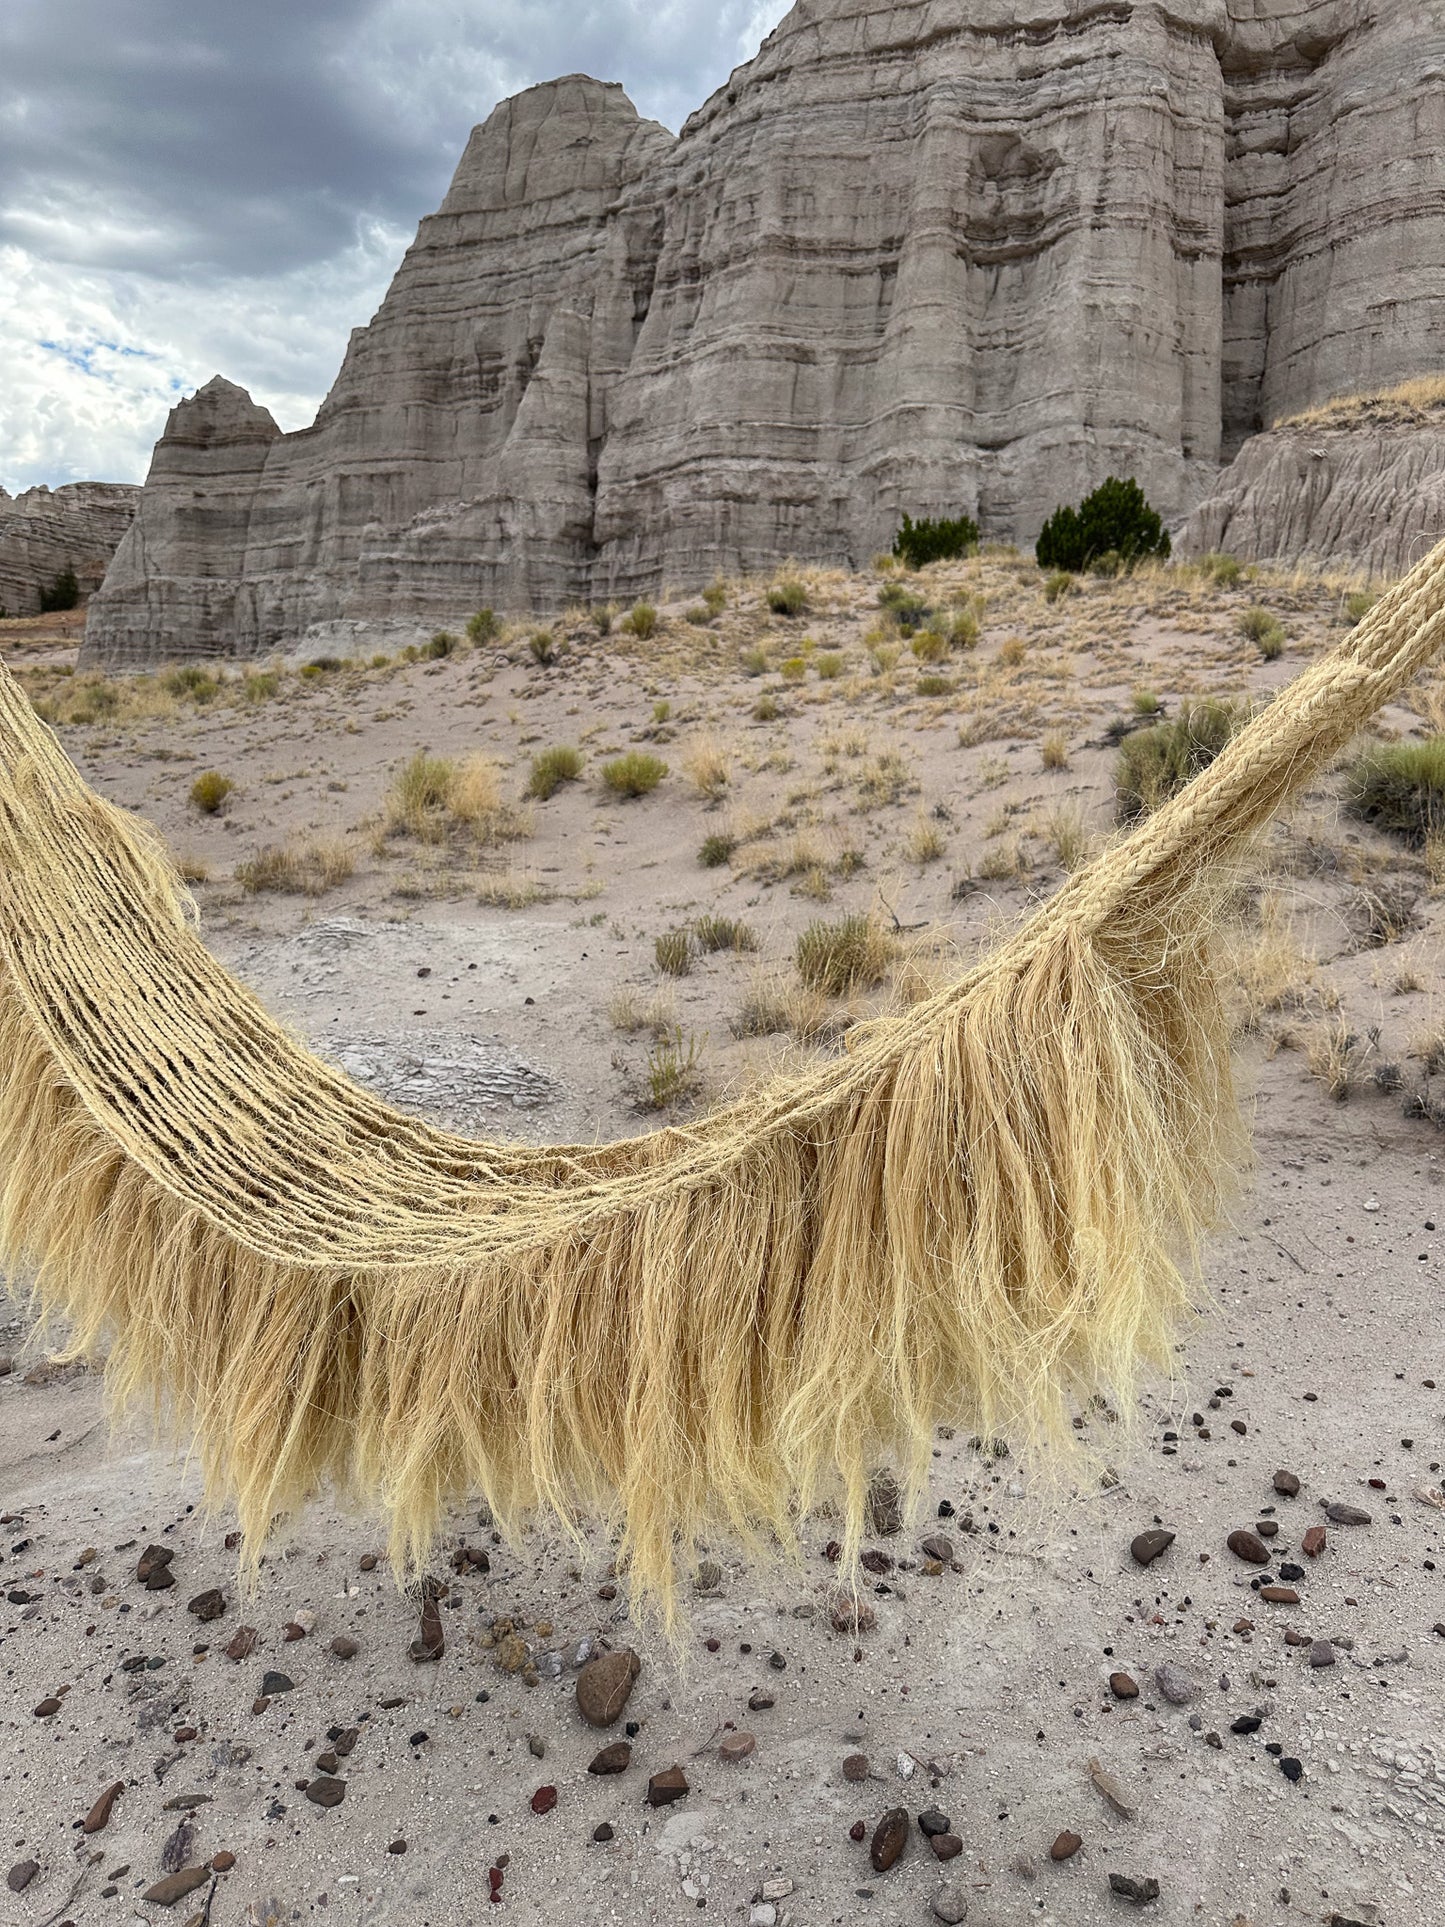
[
  {"x": 717, "y": 850},
  {"x": 708, "y": 765},
  {"x": 189, "y": 682},
  {"x": 551, "y": 768},
  {"x": 887, "y": 779},
  {"x": 925, "y": 842},
  {"x": 1221, "y": 571},
  {"x": 714, "y": 933},
  {"x": 773, "y": 1006},
  {"x": 788, "y": 598},
  {"x": 641, "y": 621},
  {"x": 1336, "y": 1057},
  {"x": 636, "y": 773},
  {"x": 1066, "y": 831},
  {"x": 1263, "y": 628},
  {"x": 1054, "y": 750},
  {"x": 1382, "y": 912},
  {"x": 627, "y": 1012},
  {"x": 210, "y": 791},
  {"x": 1401, "y": 787},
  {"x": 673, "y": 950},
  {"x": 436, "y": 798},
  {"x": 674, "y": 1071},
  {"x": 1264, "y": 966},
  {"x": 307, "y": 869},
  {"x": 841, "y": 958},
  {"x": 1416, "y": 396},
  {"x": 829, "y": 665},
  {"x": 260, "y": 685},
  {"x": 1155, "y": 763}
]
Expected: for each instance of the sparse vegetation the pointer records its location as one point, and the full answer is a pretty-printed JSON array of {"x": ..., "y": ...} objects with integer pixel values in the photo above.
[
  {"x": 754, "y": 662},
  {"x": 542, "y": 644},
  {"x": 829, "y": 665},
  {"x": 1114, "y": 520},
  {"x": 716, "y": 850},
  {"x": 442, "y": 645},
  {"x": 714, "y": 933},
  {"x": 641, "y": 621},
  {"x": 551, "y": 768},
  {"x": 63, "y": 593},
  {"x": 708, "y": 767},
  {"x": 1222, "y": 571},
  {"x": 1401, "y": 787},
  {"x": 191, "y": 683},
  {"x": 925, "y": 842},
  {"x": 772, "y": 1006},
  {"x": 919, "y": 543},
  {"x": 715, "y": 598},
  {"x": 1059, "y": 583},
  {"x": 306, "y": 869},
  {"x": 1264, "y": 628},
  {"x": 1154, "y": 763},
  {"x": 433, "y": 798},
  {"x": 673, "y": 950},
  {"x": 905, "y": 607},
  {"x": 636, "y": 773},
  {"x": 209, "y": 792},
  {"x": 788, "y": 598},
  {"x": 483, "y": 626},
  {"x": 1054, "y": 750},
  {"x": 1358, "y": 605},
  {"x": 674, "y": 1070},
  {"x": 840, "y": 958}
]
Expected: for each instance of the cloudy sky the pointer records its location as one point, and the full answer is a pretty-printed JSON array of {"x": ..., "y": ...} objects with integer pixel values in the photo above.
[{"x": 193, "y": 187}]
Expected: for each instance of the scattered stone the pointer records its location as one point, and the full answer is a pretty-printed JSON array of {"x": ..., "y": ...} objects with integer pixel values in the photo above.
[
  {"x": 936, "y": 1546},
  {"x": 430, "y": 1642},
  {"x": 396, "y": 1846},
  {"x": 222, "y": 1862},
  {"x": 154, "y": 1560},
  {"x": 885, "y": 1507},
  {"x": 763, "y": 1914},
  {"x": 99, "y": 1815},
  {"x": 1347, "y": 1515},
  {"x": 890, "y": 1837},
  {"x": 21, "y": 1875},
  {"x": 946, "y": 1846},
  {"x": 208, "y": 1605},
  {"x": 1141, "y": 1892},
  {"x": 615, "y": 1758},
  {"x": 858, "y": 1830},
  {"x": 544, "y": 1799},
  {"x": 931, "y": 1822},
  {"x": 188, "y": 1802},
  {"x": 273, "y": 1684},
  {"x": 1315, "y": 1541},
  {"x": 368, "y": 1562},
  {"x": 1111, "y": 1791},
  {"x": 1287, "y": 1485},
  {"x": 1246, "y": 1723},
  {"x": 1175, "y": 1684},
  {"x": 243, "y": 1643},
  {"x": 1246, "y": 1546},
  {"x": 175, "y": 1886},
  {"x": 1150, "y": 1545},
  {"x": 663, "y": 1789},
  {"x": 604, "y": 1833},
  {"x": 1322, "y": 1653},
  {"x": 344, "y": 1648},
  {"x": 880, "y": 1564},
  {"x": 855, "y": 1767},
  {"x": 47, "y": 1709},
  {"x": 1123, "y": 1687},
  {"x": 759, "y": 1701},
  {"x": 848, "y": 1614},
  {"x": 326, "y": 1791},
  {"x": 605, "y": 1684},
  {"x": 1293, "y": 1770},
  {"x": 536, "y": 1746},
  {"x": 176, "y": 1851},
  {"x": 1066, "y": 1846},
  {"x": 737, "y": 1746},
  {"x": 950, "y": 1905},
  {"x": 1279, "y": 1595}
]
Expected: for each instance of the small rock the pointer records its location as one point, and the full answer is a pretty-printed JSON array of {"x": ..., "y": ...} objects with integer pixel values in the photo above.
[
  {"x": 368, "y": 1562},
  {"x": 273, "y": 1684},
  {"x": 1287, "y": 1485},
  {"x": 936, "y": 1546},
  {"x": 847, "y": 1614},
  {"x": 603, "y": 1833},
  {"x": 176, "y": 1851},
  {"x": 1315, "y": 1541},
  {"x": 855, "y": 1767},
  {"x": 615, "y": 1758},
  {"x": 208, "y": 1605},
  {"x": 544, "y": 1799},
  {"x": 1141, "y": 1892},
  {"x": 759, "y": 1701},
  {"x": 1247, "y": 1546},
  {"x": 858, "y": 1830},
  {"x": 344, "y": 1648},
  {"x": 153, "y": 1560},
  {"x": 1293, "y": 1770},
  {"x": 47, "y": 1709},
  {"x": 1066, "y": 1846},
  {"x": 1123, "y": 1687},
  {"x": 430, "y": 1642},
  {"x": 932, "y": 1822},
  {"x": 1322, "y": 1653},
  {"x": 890, "y": 1837},
  {"x": 1279, "y": 1595},
  {"x": 396, "y": 1846},
  {"x": 1175, "y": 1684},
  {"x": 950, "y": 1905},
  {"x": 605, "y": 1684},
  {"x": 1109, "y": 1788},
  {"x": 665, "y": 1788},
  {"x": 763, "y": 1914},
  {"x": 222, "y": 1862},
  {"x": 885, "y": 1507},
  {"x": 326, "y": 1791},
  {"x": 99, "y": 1815},
  {"x": 946, "y": 1846},
  {"x": 1347, "y": 1515},
  {"x": 175, "y": 1886},
  {"x": 737, "y": 1746},
  {"x": 243, "y": 1643},
  {"x": 21, "y": 1875},
  {"x": 1150, "y": 1545}
]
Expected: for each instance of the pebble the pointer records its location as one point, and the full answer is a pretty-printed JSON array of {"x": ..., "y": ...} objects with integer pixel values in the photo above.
[
  {"x": 1293, "y": 1770},
  {"x": 1347, "y": 1515},
  {"x": 176, "y": 1851},
  {"x": 344, "y": 1648},
  {"x": 885, "y": 1507},
  {"x": 1150, "y": 1545},
  {"x": 175, "y": 1886},
  {"x": 100, "y": 1813},
  {"x": 274, "y": 1683},
  {"x": 1322, "y": 1653},
  {"x": 605, "y": 1684},
  {"x": 396, "y": 1846},
  {"x": 430, "y": 1642},
  {"x": 931, "y": 1821},
  {"x": 1279, "y": 1595},
  {"x": 849, "y": 1615},
  {"x": 615, "y": 1758},
  {"x": 243, "y": 1643},
  {"x": 759, "y": 1702},
  {"x": 1246, "y": 1546},
  {"x": 855, "y": 1767},
  {"x": 950, "y": 1905},
  {"x": 1287, "y": 1485},
  {"x": 1110, "y": 1790},
  {"x": 47, "y": 1709},
  {"x": 946, "y": 1846},
  {"x": 858, "y": 1830},
  {"x": 154, "y": 1560},
  {"x": 603, "y": 1833},
  {"x": 326, "y": 1792},
  {"x": 1315, "y": 1541},
  {"x": 763, "y": 1914},
  {"x": 368, "y": 1562},
  {"x": 1066, "y": 1846},
  {"x": 21, "y": 1875},
  {"x": 222, "y": 1862},
  {"x": 737, "y": 1746},
  {"x": 665, "y": 1788},
  {"x": 1141, "y": 1892},
  {"x": 208, "y": 1605},
  {"x": 890, "y": 1837},
  {"x": 544, "y": 1799},
  {"x": 1123, "y": 1686},
  {"x": 1175, "y": 1684},
  {"x": 936, "y": 1546}
]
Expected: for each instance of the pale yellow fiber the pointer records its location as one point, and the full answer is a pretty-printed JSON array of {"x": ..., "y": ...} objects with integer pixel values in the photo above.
[{"x": 983, "y": 1210}]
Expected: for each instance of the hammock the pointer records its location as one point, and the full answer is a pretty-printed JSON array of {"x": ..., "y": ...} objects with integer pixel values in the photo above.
[{"x": 987, "y": 1207}]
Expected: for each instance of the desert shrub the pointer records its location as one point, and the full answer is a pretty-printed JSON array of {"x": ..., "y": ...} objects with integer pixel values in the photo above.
[
  {"x": 300, "y": 870},
  {"x": 964, "y": 627},
  {"x": 1108, "y": 565},
  {"x": 1054, "y": 750},
  {"x": 1115, "y": 519},
  {"x": 934, "y": 685},
  {"x": 483, "y": 626},
  {"x": 715, "y": 596},
  {"x": 907, "y": 608},
  {"x": 189, "y": 681},
  {"x": 63, "y": 593},
  {"x": 1057, "y": 583},
  {"x": 210, "y": 791},
  {"x": 674, "y": 1070},
  {"x": 1224, "y": 571},
  {"x": 1262, "y": 627},
  {"x": 793, "y": 670},
  {"x": 788, "y": 598},
  {"x": 543, "y": 646},
  {"x": 1401, "y": 787},
  {"x": 925, "y": 842},
  {"x": 634, "y": 774},
  {"x": 829, "y": 666},
  {"x": 699, "y": 615},
  {"x": 673, "y": 950},
  {"x": 839, "y": 958},
  {"x": 1359, "y": 603},
  {"x": 716, "y": 933},
  {"x": 641, "y": 621},
  {"x": 1154, "y": 763},
  {"x": 708, "y": 766},
  {"x": 551, "y": 768},
  {"x": 602, "y": 618},
  {"x": 440, "y": 647},
  {"x": 716, "y": 850},
  {"x": 434, "y": 797},
  {"x": 919, "y": 543},
  {"x": 766, "y": 709},
  {"x": 753, "y": 662},
  {"x": 929, "y": 646},
  {"x": 1144, "y": 702},
  {"x": 260, "y": 685},
  {"x": 661, "y": 712},
  {"x": 1012, "y": 651}
]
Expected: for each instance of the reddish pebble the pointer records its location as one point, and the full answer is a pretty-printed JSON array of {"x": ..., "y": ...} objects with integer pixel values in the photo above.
[
  {"x": 222, "y": 1862},
  {"x": 1279, "y": 1595},
  {"x": 1066, "y": 1846},
  {"x": 1315, "y": 1541},
  {"x": 858, "y": 1830},
  {"x": 184, "y": 1733},
  {"x": 544, "y": 1799}
]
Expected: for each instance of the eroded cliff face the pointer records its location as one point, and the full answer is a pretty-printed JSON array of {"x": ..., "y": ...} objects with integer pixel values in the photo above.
[
  {"x": 46, "y": 531},
  {"x": 932, "y": 256}
]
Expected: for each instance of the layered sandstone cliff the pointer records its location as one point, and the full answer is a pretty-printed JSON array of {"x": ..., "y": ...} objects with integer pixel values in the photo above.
[
  {"x": 939, "y": 255},
  {"x": 44, "y": 532}
]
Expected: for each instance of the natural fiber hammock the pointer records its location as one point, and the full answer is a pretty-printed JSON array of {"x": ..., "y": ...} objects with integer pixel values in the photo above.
[{"x": 978, "y": 1212}]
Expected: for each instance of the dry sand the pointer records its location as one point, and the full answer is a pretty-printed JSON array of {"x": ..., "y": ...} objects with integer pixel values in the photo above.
[{"x": 983, "y": 1690}]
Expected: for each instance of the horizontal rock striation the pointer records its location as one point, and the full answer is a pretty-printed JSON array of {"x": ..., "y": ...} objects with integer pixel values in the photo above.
[
  {"x": 47, "y": 531},
  {"x": 928, "y": 256}
]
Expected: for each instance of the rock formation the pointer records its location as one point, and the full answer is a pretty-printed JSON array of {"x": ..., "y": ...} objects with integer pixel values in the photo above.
[
  {"x": 939, "y": 255},
  {"x": 46, "y": 531}
]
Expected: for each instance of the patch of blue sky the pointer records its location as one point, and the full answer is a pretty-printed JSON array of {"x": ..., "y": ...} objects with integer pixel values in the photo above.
[{"x": 85, "y": 356}]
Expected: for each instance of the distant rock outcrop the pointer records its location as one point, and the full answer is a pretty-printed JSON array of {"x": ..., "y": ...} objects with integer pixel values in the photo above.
[
  {"x": 939, "y": 255},
  {"x": 46, "y": 531}
]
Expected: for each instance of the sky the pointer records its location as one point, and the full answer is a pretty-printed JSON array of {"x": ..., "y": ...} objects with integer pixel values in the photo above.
[{"x": 200, "y": 187}]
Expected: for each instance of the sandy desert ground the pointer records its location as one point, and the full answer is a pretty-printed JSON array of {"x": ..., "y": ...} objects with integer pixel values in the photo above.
[{"x": 1282, "y": 1761}]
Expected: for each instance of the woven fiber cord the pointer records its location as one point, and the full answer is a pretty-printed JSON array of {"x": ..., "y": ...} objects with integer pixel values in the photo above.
[{"x": 987, "y": 1206}]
